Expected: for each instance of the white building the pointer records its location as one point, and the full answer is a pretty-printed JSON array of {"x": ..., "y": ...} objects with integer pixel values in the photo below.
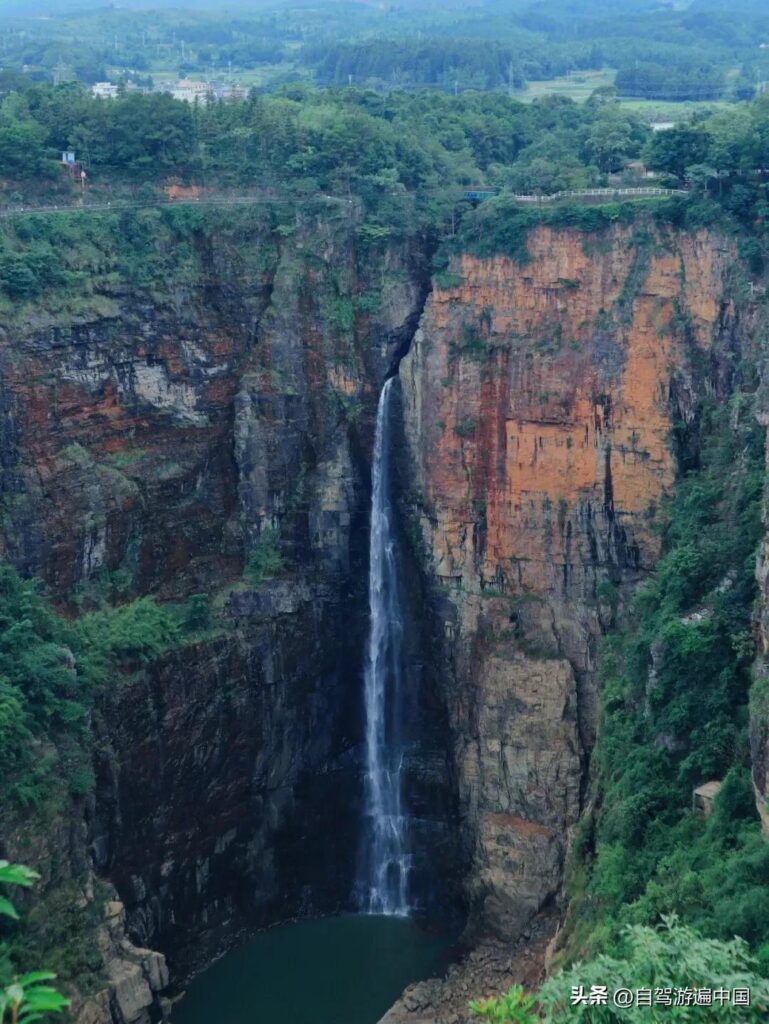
[
  {"x": 231, "y": 93},
  {"x": 188, "y": 90},
  {"x": 104, "y": 90}
]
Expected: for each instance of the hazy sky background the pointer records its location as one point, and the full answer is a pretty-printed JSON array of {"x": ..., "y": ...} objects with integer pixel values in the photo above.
[{"x": 22, "y": 7}]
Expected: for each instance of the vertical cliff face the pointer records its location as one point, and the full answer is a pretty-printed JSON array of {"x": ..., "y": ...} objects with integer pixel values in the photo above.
[
  {"x": 149, "y": 429},
  {"x": 759, "y": 703},
  {"x": 546, "y": 405},
  {"x": 229, "y": 781},
  {"x": 152, "y": 436}
]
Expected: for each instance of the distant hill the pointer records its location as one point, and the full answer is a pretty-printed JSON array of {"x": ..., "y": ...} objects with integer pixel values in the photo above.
[{"x": 41, "y": 8}]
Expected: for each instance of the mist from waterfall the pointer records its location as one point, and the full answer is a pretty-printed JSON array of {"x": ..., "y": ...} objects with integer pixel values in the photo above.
[{"x": 383, "y": 885}]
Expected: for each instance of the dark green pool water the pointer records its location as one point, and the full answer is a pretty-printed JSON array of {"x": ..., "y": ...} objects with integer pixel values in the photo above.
[{"x": 339, "y": 970}]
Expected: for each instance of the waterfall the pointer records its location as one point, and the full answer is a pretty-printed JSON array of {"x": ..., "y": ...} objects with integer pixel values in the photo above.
[{"x": 385, "y": 861}]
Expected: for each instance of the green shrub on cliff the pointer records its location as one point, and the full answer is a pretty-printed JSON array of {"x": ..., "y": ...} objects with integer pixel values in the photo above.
[
  {"x": 46, "y": 684},
  {"x": 514, "y": 1007},
  {"x": 49, "y": 670},
  {"x": 265, "y": 559},
  {"x": 135, "y": 632},
  {"x": 676, "y": 683},
  {"x": 24, "y": 275}
]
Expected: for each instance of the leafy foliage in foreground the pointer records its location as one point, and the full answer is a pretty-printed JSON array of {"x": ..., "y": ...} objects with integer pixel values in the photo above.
[
  {"x": 672, "y": 957},
  {"x": 514, "y": 1007},
  {"x": 27, "y": 997}
]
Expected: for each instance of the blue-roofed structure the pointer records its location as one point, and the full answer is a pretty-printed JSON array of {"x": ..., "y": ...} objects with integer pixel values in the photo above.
[{"x": 479, "y": 194}]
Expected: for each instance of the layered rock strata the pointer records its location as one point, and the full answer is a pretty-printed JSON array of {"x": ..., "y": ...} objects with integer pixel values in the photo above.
[{"x": 546, "y": 405}]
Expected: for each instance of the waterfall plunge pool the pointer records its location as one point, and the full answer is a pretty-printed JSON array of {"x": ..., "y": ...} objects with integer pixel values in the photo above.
[{"x": 335, "y": 970}]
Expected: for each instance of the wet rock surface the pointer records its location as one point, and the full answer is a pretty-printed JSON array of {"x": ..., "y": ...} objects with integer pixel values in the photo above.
[{"x": 488, "y": 970}]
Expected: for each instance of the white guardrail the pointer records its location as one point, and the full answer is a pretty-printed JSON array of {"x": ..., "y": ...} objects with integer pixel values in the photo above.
[
  {"x": 605, "y": 192},
  {"x": 248, "y": 200}
]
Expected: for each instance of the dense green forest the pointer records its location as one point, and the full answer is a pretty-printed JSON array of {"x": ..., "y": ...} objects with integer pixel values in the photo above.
[
  {"x": 701, "y": 52},
  {"x": 329, "y": 139}
]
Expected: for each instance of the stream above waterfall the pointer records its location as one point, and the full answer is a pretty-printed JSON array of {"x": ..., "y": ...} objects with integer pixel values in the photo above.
[{"x": 336, "y": 970}]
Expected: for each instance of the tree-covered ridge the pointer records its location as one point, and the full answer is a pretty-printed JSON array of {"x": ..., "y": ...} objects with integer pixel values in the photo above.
[
  {"x": 403, "y": 160},
  {"x": 352, "y": 141},
  {"x": 330, "y": 138},
  {"x": 443, "y": 63}
]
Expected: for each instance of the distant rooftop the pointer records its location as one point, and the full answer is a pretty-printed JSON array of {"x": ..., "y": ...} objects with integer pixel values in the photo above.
[{"x": 193, "y": 86}]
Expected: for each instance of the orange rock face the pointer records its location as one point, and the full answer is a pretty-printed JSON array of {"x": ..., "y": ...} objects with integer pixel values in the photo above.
[
  {"x": 177, "y": 191},
  {"x": 540, "y": 404},
  {"x": 548, "y": 384}
]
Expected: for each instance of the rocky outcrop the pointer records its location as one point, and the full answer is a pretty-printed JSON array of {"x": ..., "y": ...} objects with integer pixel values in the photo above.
[
  {"x": 546, "y": 405},
  {"x": 136, "y": 978}
]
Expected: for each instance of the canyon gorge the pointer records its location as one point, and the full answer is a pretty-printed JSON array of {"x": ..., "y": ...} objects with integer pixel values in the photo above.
[{"x": 165, "y": 429}]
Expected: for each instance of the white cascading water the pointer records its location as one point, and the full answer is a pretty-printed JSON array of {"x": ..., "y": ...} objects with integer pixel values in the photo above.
[{"x": 385, "y": 861}]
